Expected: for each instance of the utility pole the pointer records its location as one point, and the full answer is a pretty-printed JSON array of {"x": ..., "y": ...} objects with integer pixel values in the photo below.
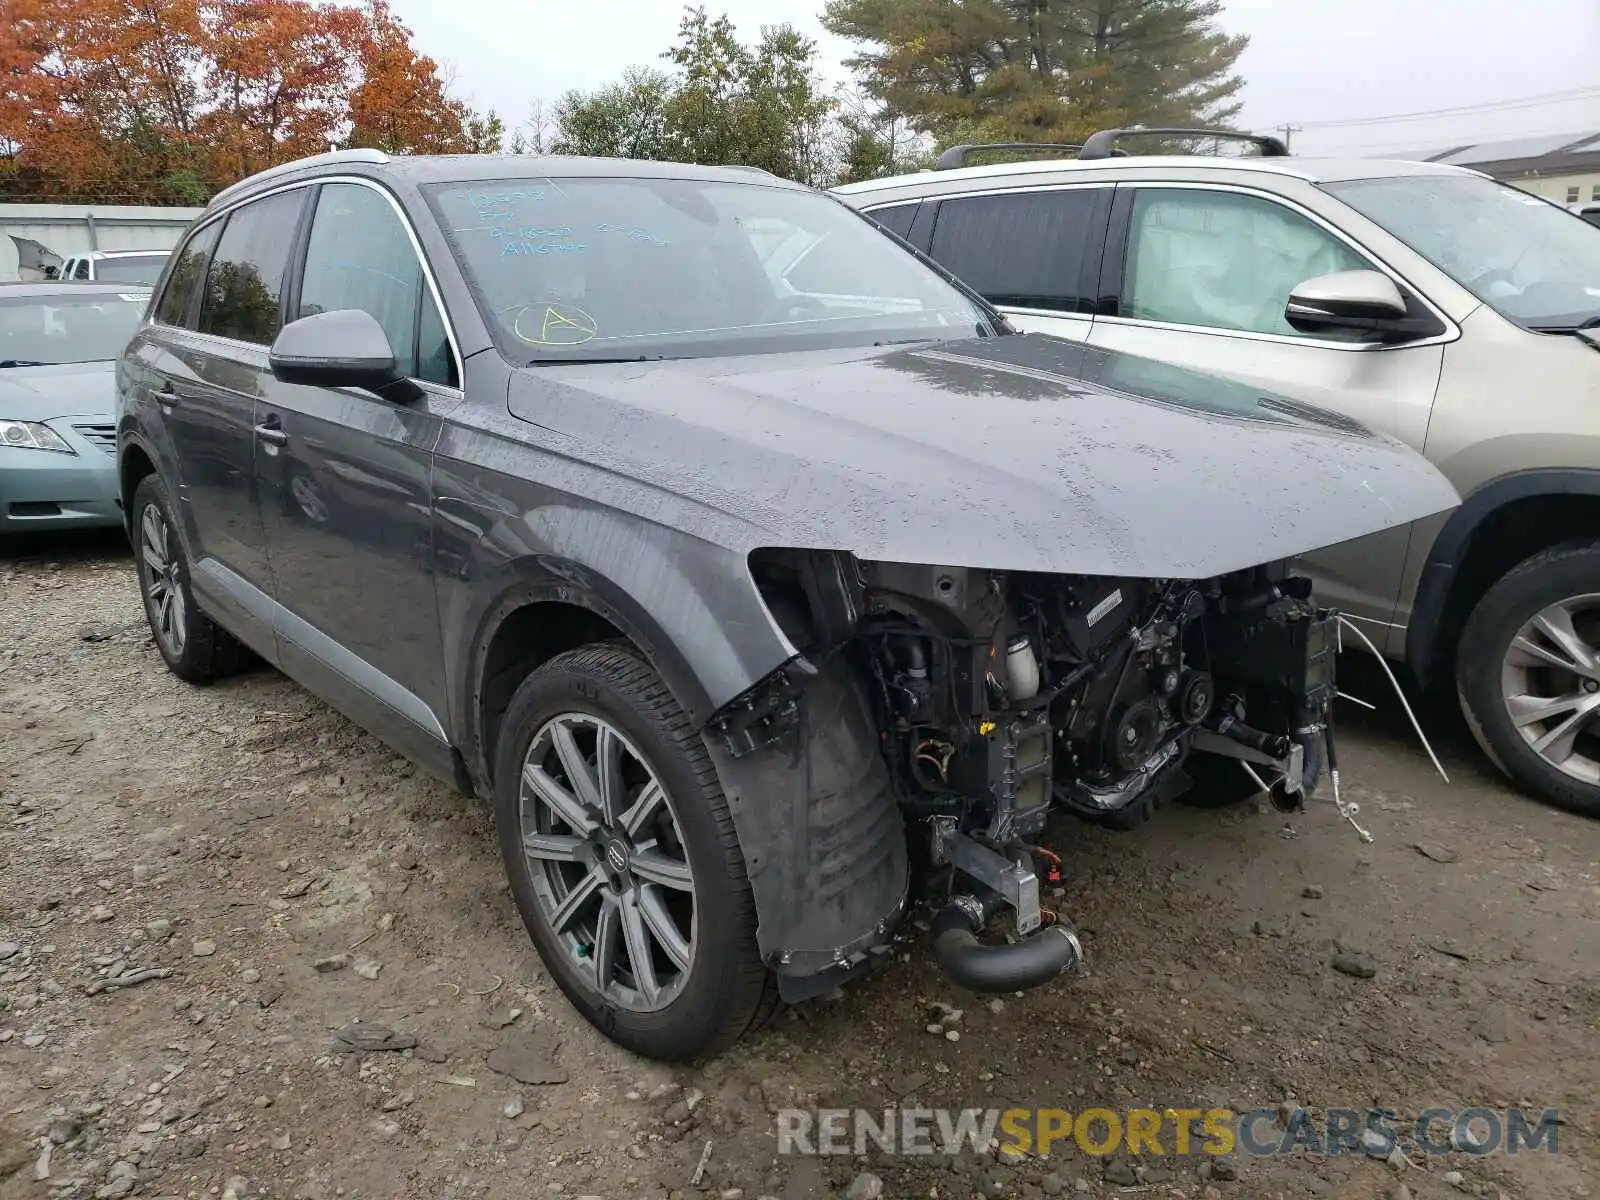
[{"x": 1288, "y": 132}]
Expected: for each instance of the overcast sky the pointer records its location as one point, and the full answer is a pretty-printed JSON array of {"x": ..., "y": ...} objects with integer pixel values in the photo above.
[{"x": 1309, "y": 61}]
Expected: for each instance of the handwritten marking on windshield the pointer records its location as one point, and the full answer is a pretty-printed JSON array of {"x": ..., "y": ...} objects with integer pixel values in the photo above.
[
  {"x": 637, "y": 234},
  {"x": 517, "y": 247},
  {"x": 559, "y": 325}
]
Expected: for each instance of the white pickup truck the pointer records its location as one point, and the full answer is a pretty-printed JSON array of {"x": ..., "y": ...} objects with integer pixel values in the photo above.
[{"x": 117, "y": 266}]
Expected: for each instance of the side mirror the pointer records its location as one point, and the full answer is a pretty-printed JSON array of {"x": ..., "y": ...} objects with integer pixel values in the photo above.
[
  {"x": 1364, "y": 301},
  {"x": 342, "y": 348}
]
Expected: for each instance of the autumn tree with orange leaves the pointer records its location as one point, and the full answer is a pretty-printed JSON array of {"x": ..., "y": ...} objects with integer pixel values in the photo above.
[{"x": 165, "y": 101}]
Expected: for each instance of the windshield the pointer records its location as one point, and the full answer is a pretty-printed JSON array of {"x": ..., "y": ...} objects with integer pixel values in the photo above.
[
  {"x": 39, "y": 330},
  {"x": 1532, "y": 260},
  {"x": 629, "y": 268},
  {"x": 145, "y": 268}
]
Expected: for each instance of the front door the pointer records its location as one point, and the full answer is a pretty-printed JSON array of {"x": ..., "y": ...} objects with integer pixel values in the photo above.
[
  {"x": 1202, "y": 276},
  {"x": 345, "y": 483}
]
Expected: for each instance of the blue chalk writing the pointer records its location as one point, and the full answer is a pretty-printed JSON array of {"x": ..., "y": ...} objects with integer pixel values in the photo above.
[
  {"x": 637, "y": 234},
  {"x": 531, "y": 232},
  {"x": 510, "y": 247}
]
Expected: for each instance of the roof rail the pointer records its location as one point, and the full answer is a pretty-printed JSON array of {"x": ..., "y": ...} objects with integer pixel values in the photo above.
[
  {"x": 360, "y": 154},
  {"x": 1103, "y": 143},
  {"x": 957, "y": 156}
]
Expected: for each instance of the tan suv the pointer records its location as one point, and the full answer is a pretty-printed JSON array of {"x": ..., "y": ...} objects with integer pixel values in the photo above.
[{"x": 1455, "y": 312}]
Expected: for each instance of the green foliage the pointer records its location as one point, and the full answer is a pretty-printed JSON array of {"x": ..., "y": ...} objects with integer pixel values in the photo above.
[
  {"x": 761, "y": 105},
  {"x": 1042, "y": 70},
  {"x": 622, "y": 120}
]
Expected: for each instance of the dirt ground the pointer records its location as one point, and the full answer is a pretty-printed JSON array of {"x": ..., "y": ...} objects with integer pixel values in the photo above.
[{"x": 287, "y": 877}]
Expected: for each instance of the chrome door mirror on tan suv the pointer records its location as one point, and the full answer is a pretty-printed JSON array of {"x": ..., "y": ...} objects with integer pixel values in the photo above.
[{"x": 1364, "y": 300}]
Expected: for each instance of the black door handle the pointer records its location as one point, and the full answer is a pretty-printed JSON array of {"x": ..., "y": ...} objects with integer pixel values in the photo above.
[{"x": 272, "y": 433}]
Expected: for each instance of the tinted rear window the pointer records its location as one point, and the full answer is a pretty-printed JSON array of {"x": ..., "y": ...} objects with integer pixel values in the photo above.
[
  {"x": 896, "y": 218},
  {"x": 1024, "y": 249},
  {"x": 176, "y": 306}
]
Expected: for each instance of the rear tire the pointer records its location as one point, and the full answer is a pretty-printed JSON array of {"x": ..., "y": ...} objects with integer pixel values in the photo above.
[
  {"x": 195, "y": 648},
  {"x": 705, "y": 984},
  {"x": 1493, "y": 676}
]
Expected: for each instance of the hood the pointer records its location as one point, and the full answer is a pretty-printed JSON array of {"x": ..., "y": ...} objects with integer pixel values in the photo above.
[
  {"x": 1022, "y": 452},
  {"x": 59, "y": 390}
]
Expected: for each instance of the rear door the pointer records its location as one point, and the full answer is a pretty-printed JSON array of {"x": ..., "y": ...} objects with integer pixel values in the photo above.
[
  {"x": 211, "y": 380},
  {"x": 1034, "y": 253},
  {"x": 1199, "y": 275}
]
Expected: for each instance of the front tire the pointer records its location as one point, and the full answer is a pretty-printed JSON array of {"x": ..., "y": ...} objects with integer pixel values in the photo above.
[
  {"x": 1528, "y": 676},
  {"x": 623, "y": 859},
  {"x": 194, "y": 647}
]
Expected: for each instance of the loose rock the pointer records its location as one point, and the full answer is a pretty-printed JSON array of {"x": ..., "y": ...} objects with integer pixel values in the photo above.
[
  {"x": 1120, "y": 1172},
  {"x": 530, "y": 1058},
  {"x": 203, "y": 948},
  {"x": 1348, "y": 962},
  {"x": 1439, "y": 854},
  {"x": 865, "y": 1186}
]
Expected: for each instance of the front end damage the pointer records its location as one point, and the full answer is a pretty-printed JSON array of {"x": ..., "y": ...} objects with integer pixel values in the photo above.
[{"x": 936, "y": 715}]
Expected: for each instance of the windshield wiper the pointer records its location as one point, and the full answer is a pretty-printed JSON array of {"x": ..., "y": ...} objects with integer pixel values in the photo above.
[
  {"x": 21, "y": 362},
  {"x": 1576, "y": 327},
  {"x": 589, "y": 362}
]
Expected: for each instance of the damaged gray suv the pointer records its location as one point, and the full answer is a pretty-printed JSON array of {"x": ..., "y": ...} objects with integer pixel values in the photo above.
[{"x": 741, "y": 556}]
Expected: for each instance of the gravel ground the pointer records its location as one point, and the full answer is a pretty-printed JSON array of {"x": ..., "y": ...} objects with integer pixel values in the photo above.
[{"x": 273, "y": 885}]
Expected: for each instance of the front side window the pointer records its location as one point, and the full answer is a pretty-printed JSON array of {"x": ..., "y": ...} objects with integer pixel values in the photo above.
[
  {"x": 244, "y": 286},
  {"x": 66, "y": 328},
  {"x": 630, "y": 268},
  {"x": 1220, "y": 260},
  {"x": 143, "y": 268},
  {"x": 360, "y": 256},
  {"x": 1025, "y": 249},
  {"x": 1538, "y": 264},
  {"x": 81, "y": 271},
  {"x": 896, "y": 218},
  {"x": 177, "y": 304}
]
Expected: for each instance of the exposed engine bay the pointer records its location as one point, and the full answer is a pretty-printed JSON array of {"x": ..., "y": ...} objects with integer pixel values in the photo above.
[{"x": 996, "y": 697}]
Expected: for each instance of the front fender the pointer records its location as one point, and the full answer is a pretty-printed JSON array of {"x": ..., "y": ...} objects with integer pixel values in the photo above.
[
  {"x": 690, "y": 606},
  {"x": 1451, "y": 546}
]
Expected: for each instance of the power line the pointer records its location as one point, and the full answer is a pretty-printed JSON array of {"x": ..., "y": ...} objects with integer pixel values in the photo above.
[
  {"x": 1438, "y": 144},
  {"x": 1547, "y": 99}
]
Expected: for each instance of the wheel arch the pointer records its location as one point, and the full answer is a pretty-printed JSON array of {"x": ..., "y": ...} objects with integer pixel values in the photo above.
[
  {"x": 134, "y": 462},
  {"x": 1494, "y": 528},
  {"x": 544, "y": 609}
]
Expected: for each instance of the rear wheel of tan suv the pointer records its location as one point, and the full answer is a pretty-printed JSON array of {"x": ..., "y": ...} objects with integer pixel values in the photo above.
[{"x": 1528, "y": 676}]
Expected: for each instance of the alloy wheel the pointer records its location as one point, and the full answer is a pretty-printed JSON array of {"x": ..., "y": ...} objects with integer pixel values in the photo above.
[
  {"x": 158, "y": 566},
  {"x": 609, "y": 869},
  {"x": 309, "y": 499},
  {"x": 1550, "y": 683}
]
